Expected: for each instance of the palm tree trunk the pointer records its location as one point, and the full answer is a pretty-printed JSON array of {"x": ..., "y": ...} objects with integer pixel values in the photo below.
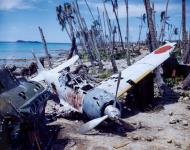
[
  {"x": 97, "y": 52},
  {"x": 119, "y": 29},
  {"x": 162, "y": 32},
  {"x": 83, "y": 35},
  {"x": 152, "y": 32},
  {"x": 184, "y": 34},
  {"x": 153, "y": 41},
  {"x": 45, "y": 47},
  {"x": 89, "y": 10},
  {"x": 140, "y": 31},
  {"x": 110, "y": 47},
  {"x": 127, "y": 33}
]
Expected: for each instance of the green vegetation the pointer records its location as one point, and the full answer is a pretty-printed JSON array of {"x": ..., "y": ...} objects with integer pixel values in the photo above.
[{"x": 173, "y": 81}]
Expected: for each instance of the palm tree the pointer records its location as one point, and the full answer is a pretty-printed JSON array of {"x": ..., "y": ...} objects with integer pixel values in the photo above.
[
  {"x": 110, "y": 42},
  {"x": 142, "y": 21},
  {"x": 153, "y": 42},
  {"x": 45, "y": 47},
  {"x": 186, "y": 57},
  {"x": 65, "y": 16},
  {"x": 164, "y": 18},
  {"x": 152, "y": 32},
  {"x": 115, "y": 10},
  {"x": 127, "y": 32}
]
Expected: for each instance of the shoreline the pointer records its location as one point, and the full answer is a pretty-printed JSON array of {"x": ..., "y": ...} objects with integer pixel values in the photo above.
[{"x": 15, "y": 61}]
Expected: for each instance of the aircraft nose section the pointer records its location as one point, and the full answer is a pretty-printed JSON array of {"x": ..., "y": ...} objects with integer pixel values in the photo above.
[
  {"x": 95, "y": 102},
  {"x": 112, "y": 112}
]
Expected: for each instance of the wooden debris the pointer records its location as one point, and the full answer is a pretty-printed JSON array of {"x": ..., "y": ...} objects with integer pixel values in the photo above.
[{"x": 120, "y": 145}]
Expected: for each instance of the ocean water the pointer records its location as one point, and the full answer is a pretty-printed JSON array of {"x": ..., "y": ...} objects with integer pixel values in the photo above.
[{"x": 16, "y": 50}]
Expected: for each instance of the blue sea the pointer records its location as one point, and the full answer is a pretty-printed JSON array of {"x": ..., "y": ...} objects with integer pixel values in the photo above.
[
  {"x": 17, "y": 50},
  {"x": 23, "y": 50}
]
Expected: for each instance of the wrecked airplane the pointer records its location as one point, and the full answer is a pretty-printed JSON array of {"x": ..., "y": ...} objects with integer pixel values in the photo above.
[
  {"x": 100, "y": 103},
  {"x": 22, "y": 106}
]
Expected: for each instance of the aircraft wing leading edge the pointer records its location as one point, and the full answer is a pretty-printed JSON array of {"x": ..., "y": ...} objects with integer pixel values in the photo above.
[
  {"x": 42, "y": 72},
  {"x": 138, "y": 70}
]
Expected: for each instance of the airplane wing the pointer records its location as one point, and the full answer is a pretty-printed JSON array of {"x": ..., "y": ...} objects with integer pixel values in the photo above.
[
  {"x": 65, "y": 64},
  {"x": 138, "y": 70}
]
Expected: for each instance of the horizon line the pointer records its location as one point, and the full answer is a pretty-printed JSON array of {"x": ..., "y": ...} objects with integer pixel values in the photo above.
[{"x": 30, "y": 41}]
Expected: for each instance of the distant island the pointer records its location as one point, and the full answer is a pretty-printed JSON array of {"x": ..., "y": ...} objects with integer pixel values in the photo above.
[{"x": 22, "y": 41}]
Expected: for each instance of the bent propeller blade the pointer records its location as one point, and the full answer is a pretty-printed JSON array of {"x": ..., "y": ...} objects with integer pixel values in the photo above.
[
  {"x": 118, "y": 82},
  {"x": 91, "y": 124}
]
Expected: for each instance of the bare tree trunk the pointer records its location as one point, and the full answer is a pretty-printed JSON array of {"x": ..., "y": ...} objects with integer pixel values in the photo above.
[
  {"x": 127, "y": 33},
  {"x": 184, "y": 34},
  {"x": 186, "y": 82},
  {"x": 97, "y": 51},
  {"x": 180, "y": 34},
  {"x": 153, "y": 41},
  {"x": 105, "y": 33},
  {"x": 162, "y": 32},
  {"x": 45, "y": 47},
  {"x": 189, "y": 40},
  {"x": 184, "y": 21},
  {"x": 68, "y": 32},
  {"x": 112, "y": 58},
  {"x": 82, "y": 33},
  {"x": 89, "y": 10},
  {"x": 103, "y": 46},
  {"x": 119, "y": 29},
  {"x": 140, "y": 31},
  {"x": 73, "y": 48},
  {"x": 152, "y": 32}
]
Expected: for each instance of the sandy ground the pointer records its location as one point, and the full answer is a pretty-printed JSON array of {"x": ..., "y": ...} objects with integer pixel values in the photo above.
[{"x": 168, "y": 128}]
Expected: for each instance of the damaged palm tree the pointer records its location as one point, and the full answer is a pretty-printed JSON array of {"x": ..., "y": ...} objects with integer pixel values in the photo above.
[
  {"x": 127, "y": 32},
  {"x": 82, "y": 33},
  {"x": 97, "y": 52},
  {"x": 94, "y": 34},
  {"x": 164, "y": 90},
  {"x": 142, "y": 21},
  {"x": 65, "y": 16},
  {"x": 88, "y": 41},
  {"x": 185, "y": 46},
  {"x": 151, "y": 28},
  {"x": 110, "y": 42},
  {"x": 164, "y": 18},
  {"x": 45, "y": 47},
  {"x": 115, "y": 10},
  {"x": 186, "y": 53}
]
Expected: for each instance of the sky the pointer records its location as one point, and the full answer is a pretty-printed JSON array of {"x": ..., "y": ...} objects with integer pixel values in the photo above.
[{"x": 19, "y": 19}]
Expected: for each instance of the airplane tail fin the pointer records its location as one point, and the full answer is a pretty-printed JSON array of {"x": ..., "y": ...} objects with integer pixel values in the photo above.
[{"x": 39, "y": 65}]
